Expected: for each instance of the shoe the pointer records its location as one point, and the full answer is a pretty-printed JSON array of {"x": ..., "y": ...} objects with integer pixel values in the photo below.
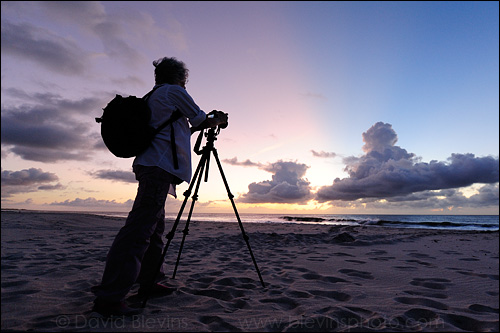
[
  {"x": 107, "y": 309},
  {"x": 157, "y": 290}
]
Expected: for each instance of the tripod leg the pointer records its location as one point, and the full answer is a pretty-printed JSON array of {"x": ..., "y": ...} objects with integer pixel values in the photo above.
[
  {"x": 186, "y": 228},
  {"x": 231, "y": 196},
  {"x": 170, "y": 235}
]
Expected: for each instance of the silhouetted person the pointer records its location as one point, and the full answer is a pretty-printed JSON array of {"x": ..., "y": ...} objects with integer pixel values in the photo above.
[{"x": 135, "y": 253}]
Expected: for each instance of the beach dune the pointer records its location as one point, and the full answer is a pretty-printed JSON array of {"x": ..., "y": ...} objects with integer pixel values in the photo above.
[{"x": 318, "y": 277}]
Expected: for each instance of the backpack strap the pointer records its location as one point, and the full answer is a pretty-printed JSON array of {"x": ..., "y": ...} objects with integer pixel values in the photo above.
[{"x": 175, "y": 115}]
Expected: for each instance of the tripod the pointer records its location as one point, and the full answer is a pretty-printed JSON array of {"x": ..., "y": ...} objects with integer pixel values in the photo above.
[{"x": 203, "y": 166}]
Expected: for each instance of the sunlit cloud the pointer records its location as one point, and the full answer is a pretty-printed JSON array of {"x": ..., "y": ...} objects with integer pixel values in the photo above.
[
  {"x": 388, "y": 171},
  {"x": 386, "y": 177},
  {"x": 323, "y": 154},
  {"x": 247, "y": 163},
  {"x": 287, "y": 185}
]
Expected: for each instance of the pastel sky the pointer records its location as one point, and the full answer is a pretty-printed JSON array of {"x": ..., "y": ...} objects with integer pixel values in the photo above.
[{"x": 334, "y": 107}]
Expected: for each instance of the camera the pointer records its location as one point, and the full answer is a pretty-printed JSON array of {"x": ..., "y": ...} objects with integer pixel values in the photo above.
[{"x": 216, "y": 114}]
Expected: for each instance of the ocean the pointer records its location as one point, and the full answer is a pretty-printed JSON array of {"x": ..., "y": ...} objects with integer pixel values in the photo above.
[{"x": 446, "y": 222}]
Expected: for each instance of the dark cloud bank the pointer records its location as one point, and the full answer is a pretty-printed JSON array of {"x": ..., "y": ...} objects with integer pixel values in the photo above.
[
  {"x": 385, "y": 171},
  {"x": 28, "y": 180},
  {"x": 47, "y": 128}
]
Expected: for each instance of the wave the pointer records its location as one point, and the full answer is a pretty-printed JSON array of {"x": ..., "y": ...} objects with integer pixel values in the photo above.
[
  {"x": 406, "y": 222},
  {"x": 315, "y": 219},
  {"x": 444, "y": 224}
]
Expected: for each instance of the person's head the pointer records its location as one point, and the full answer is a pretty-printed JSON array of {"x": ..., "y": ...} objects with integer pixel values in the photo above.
[{"x": 171, "y": 71}]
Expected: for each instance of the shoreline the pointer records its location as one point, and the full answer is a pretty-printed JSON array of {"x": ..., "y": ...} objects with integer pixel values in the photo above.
[
  {"x": 411, "y": 221},
  {"x": 318, "y": 277}
]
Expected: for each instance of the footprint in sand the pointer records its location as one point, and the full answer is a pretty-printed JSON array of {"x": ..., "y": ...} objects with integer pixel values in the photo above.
[
  {"x": 356, "y": 261},
  {"x": 470, "y": 324},
  {"x": 376, "y": 252},
  {"x": 420, "y": 262},
  {"x": 420, "y": 255},
  {"x": 468, "y": 259},
  {"x": 336, "y": 295},
  {"x": 316, "y": 258},
  {"x": 382, "y": 258},
  {"x": 422, "y": 315},
  {"x": 355, "y": 273},
  {"x": 470, "y": 273},
  {"x": 423, "y": 302},
  {"x": 483, "y": 308},
  {"x": 405, "y": 268},
  {"x": 425, "y": 294},
  {"x": 216, "y": 323},
  {"x": 431, "y": 283},
  {"x": 282, "y": 303}
]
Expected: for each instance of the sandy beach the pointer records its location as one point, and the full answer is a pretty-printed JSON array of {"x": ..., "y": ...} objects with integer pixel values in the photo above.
[{"x": 318, "y": 278}]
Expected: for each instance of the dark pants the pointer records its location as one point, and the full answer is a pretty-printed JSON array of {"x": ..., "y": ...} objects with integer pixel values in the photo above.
[{"x": 136, "y": 251}]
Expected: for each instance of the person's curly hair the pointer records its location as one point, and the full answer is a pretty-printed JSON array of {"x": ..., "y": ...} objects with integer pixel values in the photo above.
[{"x": 170, "y": 70}]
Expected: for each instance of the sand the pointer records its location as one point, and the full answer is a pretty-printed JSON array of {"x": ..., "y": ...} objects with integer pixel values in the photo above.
[{"x": 318, "y": 278}]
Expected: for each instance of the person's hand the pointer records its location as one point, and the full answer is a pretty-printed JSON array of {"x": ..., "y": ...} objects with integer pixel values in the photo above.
[
  {"x": 214, "y": 118},
  {"x": 220, "y": 118}
]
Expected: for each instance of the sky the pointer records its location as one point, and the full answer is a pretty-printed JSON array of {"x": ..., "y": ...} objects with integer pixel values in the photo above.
[{"x": 334, "y": 107}]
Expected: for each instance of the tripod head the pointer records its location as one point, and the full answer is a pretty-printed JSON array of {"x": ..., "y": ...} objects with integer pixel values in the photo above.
[{"x": 211, "y": 135}]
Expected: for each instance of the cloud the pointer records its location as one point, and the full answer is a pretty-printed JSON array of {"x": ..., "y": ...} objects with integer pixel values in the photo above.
[
  {"x": 40, "y": 45},
  {"x": 48, "y": 129},
  {"x": 27, "y": 180},
  {"x": 117, "y": 32},
  {"x": 287, "y": 185},
  {"x": 116, "y": 175},
  {"x": 247, "y": 163},
  {"x": 323, "y": 154},
  {"x": 388, "y": 171},
  {"x": 89, "y": 19},
  {"x": 93, "y": 203},
  {"x": 314, "y": 95}
]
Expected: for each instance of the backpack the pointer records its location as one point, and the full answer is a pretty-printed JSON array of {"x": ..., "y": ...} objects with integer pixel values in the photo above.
[{"x": 125, "y": 126}]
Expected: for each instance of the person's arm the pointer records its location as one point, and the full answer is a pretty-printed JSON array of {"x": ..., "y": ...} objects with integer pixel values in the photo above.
[{"x": 197, "y": 117}]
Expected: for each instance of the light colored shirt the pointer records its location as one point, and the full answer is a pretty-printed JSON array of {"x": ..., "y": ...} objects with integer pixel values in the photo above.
[{"x": 163, "y": 103}]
